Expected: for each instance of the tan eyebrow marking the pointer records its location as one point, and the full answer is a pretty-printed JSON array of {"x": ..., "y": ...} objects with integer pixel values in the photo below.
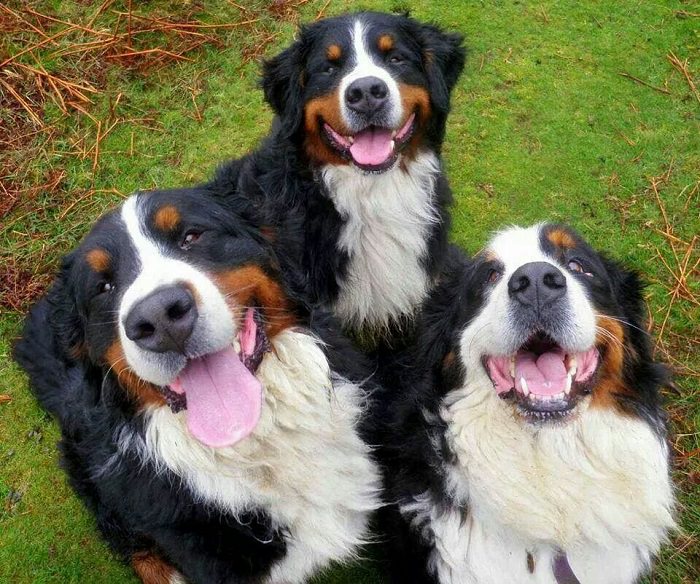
[
  {"x": 167, "y": 218},
  {"x": 334, "y": 52},
  {"x": 98, "y": 259},
  {"x": 385, "y": 43},
  {"x": 561, "y": 238}
]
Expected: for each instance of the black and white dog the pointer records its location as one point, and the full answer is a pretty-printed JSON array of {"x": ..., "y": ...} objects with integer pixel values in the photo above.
[
  {"x": 525, "y": 440},
  {"x": 209, "y": 420},
  {"x": 354, "y": 154}
]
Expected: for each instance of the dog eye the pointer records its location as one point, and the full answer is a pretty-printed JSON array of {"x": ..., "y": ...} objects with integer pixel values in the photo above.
[
  {"x": 494, "y": 276},
  {"x": 395, "y": 59},
  {"x": 575, "y": 266},
  {"x": 190, "y": 238},
  {"x": 105, "y": 286},
  {"x": 330, "y": 70}
]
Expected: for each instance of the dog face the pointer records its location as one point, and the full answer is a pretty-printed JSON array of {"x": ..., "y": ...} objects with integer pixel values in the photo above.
[
  {"x": 364, "y": 89},
  {"x": 551, "y": 326},
  {"x": 176, "y": 294}
]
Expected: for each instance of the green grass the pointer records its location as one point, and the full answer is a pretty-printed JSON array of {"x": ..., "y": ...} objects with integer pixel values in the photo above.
[{"x": 543, "y": 127}]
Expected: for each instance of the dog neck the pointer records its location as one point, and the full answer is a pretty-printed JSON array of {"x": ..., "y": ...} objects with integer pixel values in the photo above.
[
  {"x": 563, "y": 483},
  {"x": 388, "y": 219}
]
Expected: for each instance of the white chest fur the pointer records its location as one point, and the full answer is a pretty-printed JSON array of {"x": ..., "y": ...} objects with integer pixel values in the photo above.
[
  {"x": 597, "y": 488},
  {"x": 387, "y": 220},
  {"x": 304, "y": 463}
]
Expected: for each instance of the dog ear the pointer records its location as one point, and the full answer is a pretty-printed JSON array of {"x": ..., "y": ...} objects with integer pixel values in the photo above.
[
  {"x": 64, "y": 318},
  {"x": 441, "y": 315},
  {"x": 646, "y": 374},
  {"x": 443, "y": 58},
  {"x": 283, "y": 85},
  {"x": 50, "y": 346}
]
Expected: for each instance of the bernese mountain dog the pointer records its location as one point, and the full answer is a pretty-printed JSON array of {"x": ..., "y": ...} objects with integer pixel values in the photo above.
[
  {"x": 524, "y": 439},
  {"x": 354, "y": 153},
  {"x": 210, "y": 420}
]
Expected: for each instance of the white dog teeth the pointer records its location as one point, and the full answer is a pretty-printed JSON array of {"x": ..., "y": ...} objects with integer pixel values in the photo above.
[
  {"x": 572, "y": 365},
  {"x": 393, "y": 144},
  {"x": 350, "y": 139},
  {"x": 393, "y": 134},
  {"x": 569, "y": 379},
  {"x": 523, "y": 385}
]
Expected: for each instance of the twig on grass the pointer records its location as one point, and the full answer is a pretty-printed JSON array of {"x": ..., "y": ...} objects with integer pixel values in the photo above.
[
  {"x": 642, "y": 82},
  {"x": 319, "y": 16},
  {"x": 682, "y": 68}
]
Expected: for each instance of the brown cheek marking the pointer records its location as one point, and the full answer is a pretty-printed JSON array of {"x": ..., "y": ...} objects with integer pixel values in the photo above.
[
  {"x": 143, "y": 392},
  {"x": 151, "y": 569},
  {"x": 326, "y": 108},
  {"x": 333, "y": 53},
  {"x": 385, "y": 43},
  {"x": 415, "y": 99},
  {"x": 250, "y": 286},
  {"x": 99, "y": 260},
  {"x": 610, "y": 382},
  {"x": 560, "y": 238},
  {"x": 167, "y": 218}
]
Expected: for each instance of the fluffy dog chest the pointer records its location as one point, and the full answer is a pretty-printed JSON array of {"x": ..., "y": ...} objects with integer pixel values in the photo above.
[
  {"x": 304, "y": 464},
  {"x": 597, "y": 488},
  {"x": 387, "y": 223}
]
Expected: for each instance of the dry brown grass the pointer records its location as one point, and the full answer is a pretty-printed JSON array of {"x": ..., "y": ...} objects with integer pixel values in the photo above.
[{"x": 50, "y": 61}]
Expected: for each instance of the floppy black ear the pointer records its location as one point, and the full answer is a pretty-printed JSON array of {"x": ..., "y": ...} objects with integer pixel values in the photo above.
[
  {"x": 627, "y": 288},
  {"x": 443, "y": 57},
  {"x": 48, "y": 349},
  {"x": 283, "y": 85},
  {"x": 441, "y": 315}
]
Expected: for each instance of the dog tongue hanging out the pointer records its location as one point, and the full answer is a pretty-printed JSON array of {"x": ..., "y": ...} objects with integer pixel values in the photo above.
[
  {"x": 354, "y": 155},
  {"x": 223, "y": 396},
  {"x": 209, "y": 418}
]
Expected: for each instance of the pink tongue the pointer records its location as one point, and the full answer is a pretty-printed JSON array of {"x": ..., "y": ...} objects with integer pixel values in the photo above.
[
  {"x": 372, "y": 146},
  {"x": 224, "y": 399},
  {"x": 544, "y": 375}
]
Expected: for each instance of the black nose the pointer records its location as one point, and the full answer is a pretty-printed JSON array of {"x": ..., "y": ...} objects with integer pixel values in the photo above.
[
  {"x": 366, "y": 95},
  {"x": 163, "y": 320},
  {"x": 537, "y": 284}
]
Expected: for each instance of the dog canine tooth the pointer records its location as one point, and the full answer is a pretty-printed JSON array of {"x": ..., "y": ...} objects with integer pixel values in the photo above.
[
  {"x": 569, "y": 380},
  {"x": 523, "y": 385}
]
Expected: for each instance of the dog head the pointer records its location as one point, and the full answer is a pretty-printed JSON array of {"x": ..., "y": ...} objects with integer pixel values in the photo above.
[
  {"x": 365, "y": 89},
  {"x": 175, "y": 296},
  {"x": 552, "y": 327}
]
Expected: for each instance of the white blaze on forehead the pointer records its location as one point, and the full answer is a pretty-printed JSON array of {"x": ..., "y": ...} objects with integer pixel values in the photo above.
[
  {"x": 364, "y": 65},
  {"x": 215, "y": 325},
  {"x": 516, "y": 246}
]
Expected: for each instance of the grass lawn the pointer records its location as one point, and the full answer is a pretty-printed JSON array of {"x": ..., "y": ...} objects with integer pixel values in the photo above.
[{"x": 585, "y": 112}]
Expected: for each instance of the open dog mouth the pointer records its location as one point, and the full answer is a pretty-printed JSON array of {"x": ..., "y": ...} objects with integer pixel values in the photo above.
[
  {"x": 541, "y": 379},
  {"x": 375, "y": 148},
  {"x": 220, "y": 392}
]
